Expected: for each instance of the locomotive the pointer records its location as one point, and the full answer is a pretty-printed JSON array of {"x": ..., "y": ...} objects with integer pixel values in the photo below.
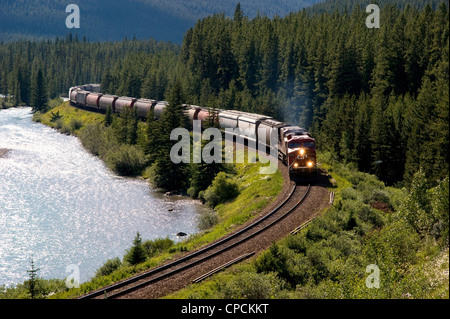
[{"x": 296, "y": 147}]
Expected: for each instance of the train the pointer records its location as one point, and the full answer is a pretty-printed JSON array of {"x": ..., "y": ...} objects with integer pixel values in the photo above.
[{"x": 296, "y": 147}]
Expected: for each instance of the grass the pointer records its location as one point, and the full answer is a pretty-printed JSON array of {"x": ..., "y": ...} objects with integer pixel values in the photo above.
[
  {"x": 69, "y": 116},
  {"x": 328, "y": 258},
  {"x": 256, "y": 192}
]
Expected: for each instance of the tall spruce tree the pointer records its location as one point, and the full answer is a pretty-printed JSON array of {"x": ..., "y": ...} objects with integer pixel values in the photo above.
[
  {"x": 170, "y": 175},
  {"x": 38, "y": 99}
]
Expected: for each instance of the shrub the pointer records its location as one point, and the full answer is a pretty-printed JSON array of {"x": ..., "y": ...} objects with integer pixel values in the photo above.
[
  {"x": 58, "y": 124},
  {"x": 37, "y": 117},
  {"x": 126, "y": 160},
  {"x": 92, "y": 138},
  {"x": 221, "y": 190},
  {"x": 207, "y": 220},
  {"x": 108, "y": 267},
  {"x": 249, "y": 285},
  {"x": 76, "y": 124},
  {"x": 152, "y": 247}
]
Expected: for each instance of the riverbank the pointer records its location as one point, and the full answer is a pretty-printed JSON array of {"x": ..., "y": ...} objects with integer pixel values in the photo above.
[
  {"x": 257, "y": 194},
  {"x": 62, "y": 206}
]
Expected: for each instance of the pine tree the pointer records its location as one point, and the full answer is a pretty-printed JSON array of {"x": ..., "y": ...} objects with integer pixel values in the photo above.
[
  {"x": 168, "y": 175},
  {"x": 38, "y": 97},
  {"x": 108, "y": 116},
  {"x": 238, "y": 14},
  {"x": 136, "y": 254},
  {"x": 32, "y": 282},
  {"x": 134, "y": 127}
]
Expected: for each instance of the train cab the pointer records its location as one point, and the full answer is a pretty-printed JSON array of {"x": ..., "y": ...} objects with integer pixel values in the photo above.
[{"x": 300, "y": 150}]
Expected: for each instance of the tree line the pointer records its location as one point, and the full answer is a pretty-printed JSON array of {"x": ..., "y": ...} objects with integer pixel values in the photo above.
[
  {"x": 377, "y": 98},
  {"x": 64, "y": 62},
  {"x": 374, "y": 97}
]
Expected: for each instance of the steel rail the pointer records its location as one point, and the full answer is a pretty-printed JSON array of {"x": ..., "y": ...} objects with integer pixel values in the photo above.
[{"x": 205, "y": 258}]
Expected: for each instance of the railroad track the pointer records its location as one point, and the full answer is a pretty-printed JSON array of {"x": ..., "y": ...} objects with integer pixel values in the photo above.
[{"x": 206, "y": 254}]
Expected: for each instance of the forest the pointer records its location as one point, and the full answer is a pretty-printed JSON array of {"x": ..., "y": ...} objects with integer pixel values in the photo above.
[{"x": 377, "y": 98}]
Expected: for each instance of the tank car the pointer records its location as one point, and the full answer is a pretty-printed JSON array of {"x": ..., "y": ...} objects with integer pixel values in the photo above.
[
  {"x": 123, "y": 103},
  {"x": 159, "y": 108},
  {"x": 143, "y": 107},
  {"x": 106, "y": 101},
  {"x": 92, "y": 101}
]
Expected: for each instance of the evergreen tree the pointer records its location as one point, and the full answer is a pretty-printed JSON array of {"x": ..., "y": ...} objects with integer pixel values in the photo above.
[
  {"x": 109, "y": 116},
  {"x": 33, "y": 281},
  {"x": 136, "y": 254},
  {"x": 134, "y": 127},
  {"x": 38, "y": 93},
  {"x": 153, "y": 135},
  {"x": 169, "y": 175}
]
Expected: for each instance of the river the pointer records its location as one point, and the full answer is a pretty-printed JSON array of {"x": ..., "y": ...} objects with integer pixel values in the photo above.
[{"x": 63, "y": 207}]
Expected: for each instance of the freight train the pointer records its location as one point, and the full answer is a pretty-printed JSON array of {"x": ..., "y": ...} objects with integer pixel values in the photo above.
[{"x": 296, "y": 147}]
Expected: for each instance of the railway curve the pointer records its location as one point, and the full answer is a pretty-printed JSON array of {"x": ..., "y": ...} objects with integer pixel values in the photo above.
[{"x": 295, "y": 207}]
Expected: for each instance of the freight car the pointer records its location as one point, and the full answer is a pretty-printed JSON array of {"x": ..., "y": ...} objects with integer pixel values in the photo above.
[{"x": 296, "y": 147}]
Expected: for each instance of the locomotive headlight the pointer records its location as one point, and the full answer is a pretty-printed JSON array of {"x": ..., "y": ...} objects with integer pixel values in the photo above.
[
  {"x": 302, "y": 151},
  {"x": 310, "y": 164}
]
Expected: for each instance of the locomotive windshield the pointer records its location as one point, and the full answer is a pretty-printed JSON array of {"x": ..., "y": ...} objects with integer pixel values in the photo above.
[{"x": 298, "y": 144}]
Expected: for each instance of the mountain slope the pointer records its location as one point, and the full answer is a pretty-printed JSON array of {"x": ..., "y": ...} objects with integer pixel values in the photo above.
[{"x": 105, "y": 20}]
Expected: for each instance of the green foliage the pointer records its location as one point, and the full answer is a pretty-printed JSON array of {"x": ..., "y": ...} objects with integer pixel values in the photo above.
[
  {"x": 426, "y": 210},
  {"x": 76, "y": 124},
  {"x": 126, "y": 160},
  {"x": 203, "y": 174},
  {"x": 207, "y": 220},
  {"x": 38, "y": 100},
  {"x": 249, "y": 285},
  {"x": 329, "y": 258},
  {"x": 108, "y": 116},
  {"x": 54, "y": 116},
  {"x": 108, "y": 267},
  {"x": 156, "y": 246},
  {"x": 136, "y": 254},
  {"x": 222, "y": 189},
  {"x": 167, "y": 174}
]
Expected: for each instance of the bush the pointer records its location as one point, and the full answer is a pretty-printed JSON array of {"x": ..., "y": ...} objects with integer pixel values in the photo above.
[
  {"x": 76, "y": 124},
  {"x": 207, "y": 220},
  {"x": 249, "y": 285},
  {"x": 108, "y": 267},
  {"x": 153, "y": 247},
  {"x": 37, "y": 117},
  {"x": 92, "y": 138},
  {"x": 58, "y": 124},
  {"x": 221, "y": 190},
  {"x": 126, "y": 160}
]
